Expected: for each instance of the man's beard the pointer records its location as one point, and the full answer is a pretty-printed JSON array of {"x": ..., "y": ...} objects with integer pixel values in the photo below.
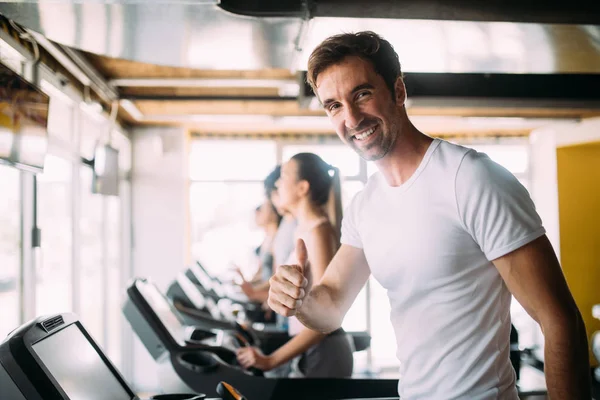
[{"x": 384, "y": 143}]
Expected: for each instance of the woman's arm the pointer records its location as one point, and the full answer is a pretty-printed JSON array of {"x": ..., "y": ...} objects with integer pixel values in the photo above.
[
  {"x": 253, "y": 357},
  {"x": 295, "y": 346}
]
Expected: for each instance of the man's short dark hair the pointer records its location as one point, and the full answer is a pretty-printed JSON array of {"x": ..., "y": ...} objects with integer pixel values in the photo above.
[{"x": 366, "y": 45}]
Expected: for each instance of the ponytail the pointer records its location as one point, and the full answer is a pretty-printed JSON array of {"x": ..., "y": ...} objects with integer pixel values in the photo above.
[{"x": 325, "y": 186}]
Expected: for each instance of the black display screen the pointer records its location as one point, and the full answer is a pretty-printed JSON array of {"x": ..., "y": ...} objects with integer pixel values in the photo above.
[
  {"x": 78, "y": 368},
  {"x": 163, "y": 309}
]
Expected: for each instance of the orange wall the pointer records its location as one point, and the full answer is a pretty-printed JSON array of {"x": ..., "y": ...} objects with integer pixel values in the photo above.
[{"x": 578, "y": 170}]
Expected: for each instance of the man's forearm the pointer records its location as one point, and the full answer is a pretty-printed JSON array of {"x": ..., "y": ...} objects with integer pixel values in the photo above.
[
  {"x": 319, "y": 311},
  {"x": 566, "y": 363}
]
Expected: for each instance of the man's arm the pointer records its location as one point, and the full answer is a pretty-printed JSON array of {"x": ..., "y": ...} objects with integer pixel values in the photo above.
[
  {"x": 533, "y": 275},
  {"x": 324, "y": 307}
]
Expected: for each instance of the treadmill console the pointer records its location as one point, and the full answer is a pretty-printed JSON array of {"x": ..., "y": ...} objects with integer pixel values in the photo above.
[
  {"x": 205, "y": 279},
  {"x": 55, "y": 358}
]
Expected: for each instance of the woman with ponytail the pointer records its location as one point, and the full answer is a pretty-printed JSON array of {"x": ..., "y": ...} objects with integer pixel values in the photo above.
[{"x": 309, "y": 189}]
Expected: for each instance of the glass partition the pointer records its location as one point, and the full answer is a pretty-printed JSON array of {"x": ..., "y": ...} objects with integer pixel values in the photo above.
[{"x": 10, "y": 249}]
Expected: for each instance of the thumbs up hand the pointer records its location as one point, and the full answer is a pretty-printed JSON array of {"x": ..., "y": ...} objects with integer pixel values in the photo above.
[{"x": 288, "y": 285}]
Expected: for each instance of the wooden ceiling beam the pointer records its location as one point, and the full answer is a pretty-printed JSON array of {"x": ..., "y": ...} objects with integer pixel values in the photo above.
[
  {"x": 199, "y": 92},
  {"x": 114, "y": 68},
  {"x": 219, "y": 107}
]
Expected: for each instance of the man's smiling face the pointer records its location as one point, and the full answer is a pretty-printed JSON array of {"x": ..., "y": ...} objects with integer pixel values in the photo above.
[{"x": 361, "y": 106}]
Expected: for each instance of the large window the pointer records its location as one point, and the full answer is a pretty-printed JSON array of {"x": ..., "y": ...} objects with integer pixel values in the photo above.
[
  {"x": 236, "y": 160},
  {"x": 223, "y": 196},
  {"x": 118, "y": 241},
  {"x": 54, "y": 203},
  {"x": 91, "y": 284},
  {"x": 83, "y": 261},
  {"x": 114, "y": 283},
  {"x": 10, "y": 247},
  {"x": 54, "y": 269}
]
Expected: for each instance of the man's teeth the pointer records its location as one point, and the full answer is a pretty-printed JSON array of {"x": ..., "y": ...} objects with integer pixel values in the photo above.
[{"x": 366, "y": 134}]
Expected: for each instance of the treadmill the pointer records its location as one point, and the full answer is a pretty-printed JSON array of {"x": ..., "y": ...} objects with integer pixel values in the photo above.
[
  {"x": 55, "y": 358},
  {"x": 196, "y": 358},
  {"x": 230, "y": 300},
  {"x": 197, "y": 307}
]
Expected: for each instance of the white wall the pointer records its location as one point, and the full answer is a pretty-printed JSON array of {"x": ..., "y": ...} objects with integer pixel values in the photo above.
[
  {"x": 586, "y": 131},
  {"x": 544, "y": 184},
  {"x": 159, "y": 196}
]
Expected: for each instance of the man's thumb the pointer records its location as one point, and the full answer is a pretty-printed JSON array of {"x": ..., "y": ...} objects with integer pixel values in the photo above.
[{"x": 301, "y": 254}]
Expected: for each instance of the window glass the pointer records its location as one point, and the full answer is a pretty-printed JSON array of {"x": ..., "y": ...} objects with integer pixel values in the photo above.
[
  {"x": 60, "y": 119},
  {"x": 10, "y": 249},
  {"x": 114, "y": 285},
  {"x": 349, "y": 190},
  {"x": 54, "y": 269},
  {"x": 222, "y": 223},
  {"x": 91, "y": 284},
  {"x": 217, "y": 160},
  {"x": 514, "y": 158},
  {"x": 371, "y": 168},
  {"x": 383, "y": 339}
]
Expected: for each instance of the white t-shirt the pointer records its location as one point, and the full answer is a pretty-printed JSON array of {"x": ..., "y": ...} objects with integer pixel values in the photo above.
[{"x": 429, "y": 243}]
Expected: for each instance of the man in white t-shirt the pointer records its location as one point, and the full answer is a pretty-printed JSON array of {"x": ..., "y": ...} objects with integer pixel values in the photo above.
[{"x": 449, "y": 233}]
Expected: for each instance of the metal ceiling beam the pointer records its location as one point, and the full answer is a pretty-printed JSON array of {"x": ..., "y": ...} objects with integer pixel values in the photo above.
[
  {"x": 429, "y": 35},
  {"x": 533, "y": 11},
  {"x": 549, "y": 87},
  {"x": 95, "y": 76},
  {"x": 78, "y": 67}
]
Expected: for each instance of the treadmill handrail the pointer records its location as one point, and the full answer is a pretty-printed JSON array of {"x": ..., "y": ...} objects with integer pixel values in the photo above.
[
  {"x": 202, "y": 317},
  {"x": 248, "y": 334}
]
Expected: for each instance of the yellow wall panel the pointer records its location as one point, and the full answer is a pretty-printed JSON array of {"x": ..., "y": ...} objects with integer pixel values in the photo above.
[{"x": 578, "y": 170}]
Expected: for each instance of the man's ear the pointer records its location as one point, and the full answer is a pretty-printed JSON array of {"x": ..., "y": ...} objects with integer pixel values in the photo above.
[{"x": 400, "y": 91}]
